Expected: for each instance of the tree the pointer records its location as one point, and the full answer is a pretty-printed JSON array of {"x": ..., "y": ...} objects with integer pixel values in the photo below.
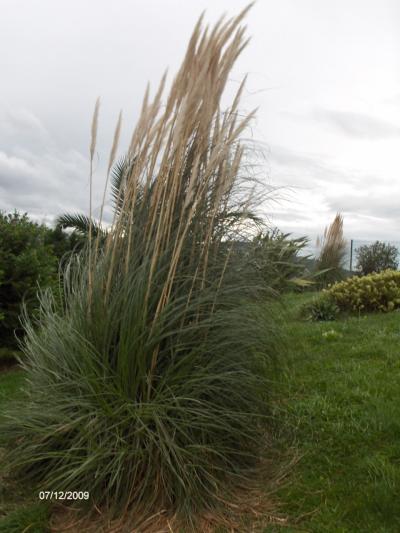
[
  {"x": 63, "y": 243},
  {"x": 26, "y": 260},
  {"x": 377, "y": 257}
]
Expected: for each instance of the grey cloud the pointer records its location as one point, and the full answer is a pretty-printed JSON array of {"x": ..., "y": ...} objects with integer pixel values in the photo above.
[
  {"x": 23, "y": 119},
  {"x": 304, "y": 170},
  {"x": 315, "y": 170},
  {"x": 21, "y": 129},
  {"x": 286, "y": 157},
  {"x": 358, "y": 125},
  {"x": 291, "y": 215},
  {"x": 380, "y": 205},
  {"x": 36, "y": 175},
  {"x": 370, "y": 201}
]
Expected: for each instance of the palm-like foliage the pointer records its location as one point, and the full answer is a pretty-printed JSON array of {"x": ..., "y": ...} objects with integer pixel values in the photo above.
[
  {"x": 80, "y": 222},
  {"x": 278, "y": 257},
  {"x": 119, "y": 174}
]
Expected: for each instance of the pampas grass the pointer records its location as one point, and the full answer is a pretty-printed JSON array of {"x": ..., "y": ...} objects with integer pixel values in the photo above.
[
  {"x": 332, "y": 252},
  {"x": 149, "y": 385}
]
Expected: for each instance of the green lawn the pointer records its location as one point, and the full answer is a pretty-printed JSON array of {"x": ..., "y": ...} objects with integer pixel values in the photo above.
[
  {"x": 10, "y": 383},
  {"x": 20, "y": 510},
  {"x": 341, "y": 400}
]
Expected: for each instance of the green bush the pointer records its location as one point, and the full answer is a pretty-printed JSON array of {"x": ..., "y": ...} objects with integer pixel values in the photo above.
[
  {"x": 322, "y": 308},
  {"x": 377, "y": 257},
  {"x": 374, "y": 292},
  {"x": 26, "y": 260},
  {"x": 63, "y": 243},
  {"x": 277, "y": 258}
]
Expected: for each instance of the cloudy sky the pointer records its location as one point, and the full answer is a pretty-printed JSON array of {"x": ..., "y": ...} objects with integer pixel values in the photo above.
[{"x": 324, "y": 74}]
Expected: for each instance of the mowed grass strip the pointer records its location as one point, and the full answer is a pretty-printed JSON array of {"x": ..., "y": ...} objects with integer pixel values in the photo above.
[{"x": 341, "y": 402}]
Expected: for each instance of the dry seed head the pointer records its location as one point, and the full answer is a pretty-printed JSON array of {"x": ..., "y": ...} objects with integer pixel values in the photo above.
[
  {"x": 115, "y": 143},
  {"x": 95, "y": 123},
  {"x": 187, "y": 158}
]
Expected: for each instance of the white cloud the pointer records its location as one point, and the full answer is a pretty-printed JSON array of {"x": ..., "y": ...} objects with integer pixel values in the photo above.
[
  {"x": 36, "y": 175},
  {"x": 358, "y": 124}
]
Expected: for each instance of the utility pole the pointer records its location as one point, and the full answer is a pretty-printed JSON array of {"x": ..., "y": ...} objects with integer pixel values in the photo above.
[{"x": 351, "y": 255}]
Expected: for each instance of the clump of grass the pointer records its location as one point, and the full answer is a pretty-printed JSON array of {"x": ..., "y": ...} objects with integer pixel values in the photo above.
[
  {"x": 32, "y": 518},
  {"x": 332, "y": 252},
  {"x": 148, "y": 385},
  {"x": 320, "y": 308}
]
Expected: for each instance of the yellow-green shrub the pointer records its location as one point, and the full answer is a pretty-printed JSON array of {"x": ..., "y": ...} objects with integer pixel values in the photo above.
[{"x": 374, "y": 292}]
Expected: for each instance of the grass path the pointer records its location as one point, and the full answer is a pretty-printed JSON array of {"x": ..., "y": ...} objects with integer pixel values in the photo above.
[{"x": 341, "y": 399}]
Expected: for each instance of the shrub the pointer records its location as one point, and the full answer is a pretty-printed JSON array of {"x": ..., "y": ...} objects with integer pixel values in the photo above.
[
  {"x": 26, "y": 259},
  {"x": 63, "y": 243},
  {"x": 374, "y": 292},
  {"x": 329, "y": 264},
  {"x": 277, "y": 257},
  {"x": 377, "y": 257},
  {"x": 321, "y": 308},
  {"x": 148, "y": 386}
]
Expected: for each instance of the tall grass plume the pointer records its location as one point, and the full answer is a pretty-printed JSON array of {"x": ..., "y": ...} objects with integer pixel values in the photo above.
[{"x": 332, "y": 253}]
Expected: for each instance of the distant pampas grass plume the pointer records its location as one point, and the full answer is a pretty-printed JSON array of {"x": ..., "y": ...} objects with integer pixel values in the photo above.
[
  {"x": 332, "y": 245},
  {"x": 148, "y": 381}
]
